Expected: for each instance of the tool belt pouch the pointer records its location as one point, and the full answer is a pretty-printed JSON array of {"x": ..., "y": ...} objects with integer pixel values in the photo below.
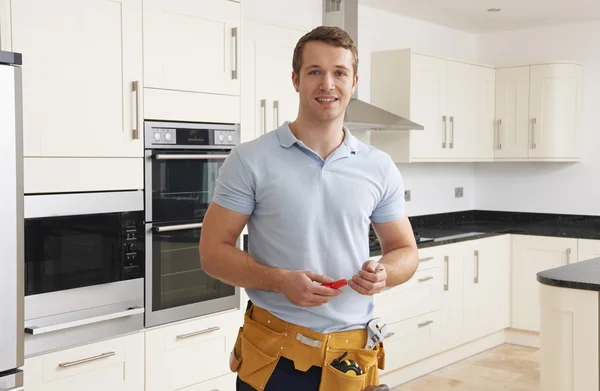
[
  {"x": 235, "y": 358},
  {"x": 369, "y": 360}
]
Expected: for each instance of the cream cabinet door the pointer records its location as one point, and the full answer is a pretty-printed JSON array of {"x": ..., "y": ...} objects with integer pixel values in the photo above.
[
  {"x": 5, "y": 30},
  {"x": 192, "y": 45},
  {"x": 511, "y": 139},
  {"x": 530, "y": 255},
  {"x": 452, "y": 319},
  {"x": 587, "y": 249},
  {"x": 555, "y": 109},
  {"x": 80, "y": 62}
]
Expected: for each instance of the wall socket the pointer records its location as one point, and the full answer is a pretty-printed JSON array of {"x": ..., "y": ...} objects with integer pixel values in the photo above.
[
  {"x": 458, "y": 192},
  {"x": 407, "y": 195}
]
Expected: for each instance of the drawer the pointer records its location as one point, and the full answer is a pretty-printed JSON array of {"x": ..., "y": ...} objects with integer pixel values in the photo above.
[
  {"x": 223, "y": 383},
  {"x": 92, "y": 357},
  {"x": 419, "y": 295},
  {"x": 188, "y": 353},
  {"x": 411, "y": 340},
  {"x": 428, "y": 258}
]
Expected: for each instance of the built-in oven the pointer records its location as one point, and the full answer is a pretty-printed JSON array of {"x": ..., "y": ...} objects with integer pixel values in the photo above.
[
  {"x": 182, "y": 165},
  {"x": 84, "y": 268}
]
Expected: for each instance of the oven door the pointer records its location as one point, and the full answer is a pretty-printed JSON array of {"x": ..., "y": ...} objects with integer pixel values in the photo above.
[
  {"x": 176, "y": 286},
  {"x": 180, "y": 184}
]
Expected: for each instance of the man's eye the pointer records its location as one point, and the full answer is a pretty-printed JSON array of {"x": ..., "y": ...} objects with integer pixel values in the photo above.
[
  {"x": 340, "y": 73},
  {"x": 313, "y": 72}
]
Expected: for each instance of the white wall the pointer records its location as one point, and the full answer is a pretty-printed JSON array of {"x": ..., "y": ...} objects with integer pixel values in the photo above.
[
  {"x": 542, "y": 187},
  {"x": 431, "y": 184},
  {"x": 305, "y": 14}
]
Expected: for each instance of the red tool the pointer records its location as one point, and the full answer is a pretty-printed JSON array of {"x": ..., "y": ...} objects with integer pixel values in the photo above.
[{"x": 337, "y": 284}]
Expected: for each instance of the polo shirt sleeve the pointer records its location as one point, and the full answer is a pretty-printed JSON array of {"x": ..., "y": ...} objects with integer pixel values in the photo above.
[
  {"x": 391, "y": 204},
  {"x": 234, "y": 188}
]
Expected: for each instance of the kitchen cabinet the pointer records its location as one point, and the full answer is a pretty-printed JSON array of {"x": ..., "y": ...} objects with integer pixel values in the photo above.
[
  {"x": 268, "y": 95},
  {"x": 587, "y": 249},
  {"x": 5, "y": 30},
  {"x": 530, "y": 255},
  {"x": 192, "y": 354},
  {"x": 538, "y": 112},
  {"x": 454, "y": 101},
  {"x": 81, "y": 90},
  {"x": 192, "y": 60},
  {"x": 116, "y": 364}
]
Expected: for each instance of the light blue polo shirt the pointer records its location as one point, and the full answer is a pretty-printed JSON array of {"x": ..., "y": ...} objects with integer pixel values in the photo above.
[{"x": 307, "y": 213}]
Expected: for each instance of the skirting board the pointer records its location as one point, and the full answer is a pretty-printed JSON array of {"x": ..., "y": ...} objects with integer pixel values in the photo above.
[{"x": 441, "y": 360}]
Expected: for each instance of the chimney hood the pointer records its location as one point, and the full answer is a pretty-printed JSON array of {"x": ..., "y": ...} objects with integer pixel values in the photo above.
[{"x": 361, "y": 115}]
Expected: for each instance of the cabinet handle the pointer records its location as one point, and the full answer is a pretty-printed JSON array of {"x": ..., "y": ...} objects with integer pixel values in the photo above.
[
  {"x": 499, "y": 138},
  {"x": 425, "y": 279},
  {"x": 446, "y": 273},
  {"x": 390, "y": 334},
  {"x": 276, "y": 114},
  {"x": 136, "y": 117},
  {"x": 82, "y": 361},
  {"x": 476, "y": 277},
  {"x": 209, "y": 330},
  {"x": 533, "y": 122},
  {"x": 263, "y": 106},
  {"x": 445, "y": 131},
  {"x": 451, "y": 133},
  {"x": 568, "y": 255},
  {"x": 177, "y": 227},
  {"x": 425, "y": 259},
  {"x": 234, "y": 56},
  {"x": 423, "y": 324}
]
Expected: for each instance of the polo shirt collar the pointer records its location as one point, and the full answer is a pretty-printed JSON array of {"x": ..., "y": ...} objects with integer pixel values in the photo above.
[{"x": 287, "y": 138}]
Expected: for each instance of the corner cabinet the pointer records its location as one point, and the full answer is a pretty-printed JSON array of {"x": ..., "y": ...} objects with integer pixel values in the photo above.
[
  {"x": 538, "y": 112},
  {"x": 82, "y": 78}
]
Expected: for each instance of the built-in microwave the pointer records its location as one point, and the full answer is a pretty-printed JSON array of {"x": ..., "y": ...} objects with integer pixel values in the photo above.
[{"x": 84, "y": 267}]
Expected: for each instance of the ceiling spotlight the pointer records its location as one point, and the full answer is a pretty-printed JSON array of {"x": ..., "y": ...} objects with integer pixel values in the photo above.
[{"x": 494, "y": 10}]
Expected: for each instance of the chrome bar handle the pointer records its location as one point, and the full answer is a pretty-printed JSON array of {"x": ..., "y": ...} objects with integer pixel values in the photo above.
[
  {"x": 276, "y": 116},
  {"x": 445, "y": 131},
  {"x": 390, "y": 334},
  {"x": 568, "y": 255},
  {"x": 34, "y": 330},
  {"x": 499, "y": 138},
  {"x": 425, "y": 259},
  {"x": 209, "y": 330},
  {"x": 263, "y": 106},
  {"x": 20, "y": 388},
  {"x": 533, "y": 123},
  {"x": 451, "y": 145},
  {"x": 234, "y": 56},
  {"x": 89, "y": 359},
  {"x": 136, "y": 118},
  {"x": 476, "y": 275},
  {"x": 425, "y": 279},
  {"x": 423, "y": 324},
  {"x": 163, "y": 156},
  {"x": 178, "y": 227},
  {"x": 446, "y": 273}
]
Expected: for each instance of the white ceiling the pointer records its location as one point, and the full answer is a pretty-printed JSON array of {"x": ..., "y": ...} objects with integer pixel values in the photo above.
[{"x": 472, "y": 15}]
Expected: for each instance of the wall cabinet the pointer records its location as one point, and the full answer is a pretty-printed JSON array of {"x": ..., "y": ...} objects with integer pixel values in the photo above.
[
  {"x": 530, "y": 255},
  {"x": 268, "y": 95},
  {"x": 588, "y": 249},
  {"x": 81, "y": 90},
  {"x": 538, "y": 112},
  {"x": 454, "y": 101}
]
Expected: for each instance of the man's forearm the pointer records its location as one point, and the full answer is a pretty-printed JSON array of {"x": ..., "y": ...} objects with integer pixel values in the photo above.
[
  {"x": 236, "y": 267},
  {"x": 400, "y": 265}
]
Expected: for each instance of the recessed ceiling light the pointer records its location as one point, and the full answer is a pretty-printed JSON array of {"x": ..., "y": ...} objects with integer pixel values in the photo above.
[{"x": 494, "y": 10}]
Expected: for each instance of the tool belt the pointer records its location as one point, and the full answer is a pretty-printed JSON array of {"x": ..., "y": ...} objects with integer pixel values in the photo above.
[{"x": 264, "y": 338}]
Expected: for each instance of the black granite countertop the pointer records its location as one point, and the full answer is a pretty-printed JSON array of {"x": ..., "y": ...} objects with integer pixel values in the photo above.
[{"x": 583, "y": 275}]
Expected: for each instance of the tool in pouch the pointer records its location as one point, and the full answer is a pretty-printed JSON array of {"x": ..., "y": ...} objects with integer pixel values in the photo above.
[{"x": 376, "y": 333}]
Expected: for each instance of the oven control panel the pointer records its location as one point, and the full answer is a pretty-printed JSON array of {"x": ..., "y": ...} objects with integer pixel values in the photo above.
[
  {"x": 159, "y": 136},
  {"x": 164, "y": 136},
  {"x": 224, "y": 137}
]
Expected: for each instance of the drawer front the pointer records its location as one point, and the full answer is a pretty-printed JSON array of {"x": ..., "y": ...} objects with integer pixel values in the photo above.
[
  {"x": 223, "y": 383},
  {"x": 92, "y": 357},
  {"x": 428, "y": 258},
  {"x": 411, "y": 340},
  {"x": 185, "y": 354},
  {"x": 419, "y": 295}
]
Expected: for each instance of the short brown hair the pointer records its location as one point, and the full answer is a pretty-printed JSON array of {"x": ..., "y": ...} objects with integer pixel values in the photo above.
[{"x": 334, "y": 36}]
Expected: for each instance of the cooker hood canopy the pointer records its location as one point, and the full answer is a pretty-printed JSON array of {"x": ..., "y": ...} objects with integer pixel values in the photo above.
[{"x": 361, "y": 115}]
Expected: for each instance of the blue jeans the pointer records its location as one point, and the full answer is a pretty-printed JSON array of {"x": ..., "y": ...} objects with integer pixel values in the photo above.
[{"x": 287, "y": 378}]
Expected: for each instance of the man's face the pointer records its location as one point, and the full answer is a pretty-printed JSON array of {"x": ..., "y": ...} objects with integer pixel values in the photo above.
[{"x": 325, "y": 82}]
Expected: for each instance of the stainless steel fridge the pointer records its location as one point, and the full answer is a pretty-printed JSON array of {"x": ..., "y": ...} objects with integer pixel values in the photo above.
[{"x": 11, "y": 224}]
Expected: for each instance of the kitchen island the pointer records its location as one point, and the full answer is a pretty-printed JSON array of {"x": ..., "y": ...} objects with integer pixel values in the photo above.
[{"x": 569, "y": 335}]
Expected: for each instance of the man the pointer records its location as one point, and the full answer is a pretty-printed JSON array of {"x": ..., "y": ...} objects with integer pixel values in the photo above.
[{"x": 308, "y": 192}]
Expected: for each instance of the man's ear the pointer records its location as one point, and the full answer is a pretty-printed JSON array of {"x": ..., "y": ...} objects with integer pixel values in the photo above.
[
  {"x": 354, "y": 83},
  {"x": 296, "y": 81}
]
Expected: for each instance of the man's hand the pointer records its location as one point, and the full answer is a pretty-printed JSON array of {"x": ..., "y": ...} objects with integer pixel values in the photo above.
[
  {"x": 299, "y": 288},
  {"x": 370, "y": 280}
]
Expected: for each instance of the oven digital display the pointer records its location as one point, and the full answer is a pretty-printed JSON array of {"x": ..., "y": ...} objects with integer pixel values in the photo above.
[{"x": 193, "y": 136}]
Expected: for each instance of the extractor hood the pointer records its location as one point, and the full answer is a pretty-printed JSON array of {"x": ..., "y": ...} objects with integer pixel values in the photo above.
[{"x": 361, "y": 115}]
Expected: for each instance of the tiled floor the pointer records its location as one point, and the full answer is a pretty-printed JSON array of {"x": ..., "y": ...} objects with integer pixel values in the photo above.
[{"x": 504, "y": 368}]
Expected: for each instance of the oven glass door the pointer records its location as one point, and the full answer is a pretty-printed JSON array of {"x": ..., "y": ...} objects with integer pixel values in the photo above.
[
  {"x": 183, "y": 183},
  {"x": 177, "y": 276}
]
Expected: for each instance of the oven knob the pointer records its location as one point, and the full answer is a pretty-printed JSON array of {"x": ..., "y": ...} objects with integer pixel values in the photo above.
[
  {"x": 167, "y": 136},
  {"x": 157, "y": 136},
  {"x": 230, "y": 138},
  {"x": 221, "y": 138},
  {"x": 131, "y": 247}
]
